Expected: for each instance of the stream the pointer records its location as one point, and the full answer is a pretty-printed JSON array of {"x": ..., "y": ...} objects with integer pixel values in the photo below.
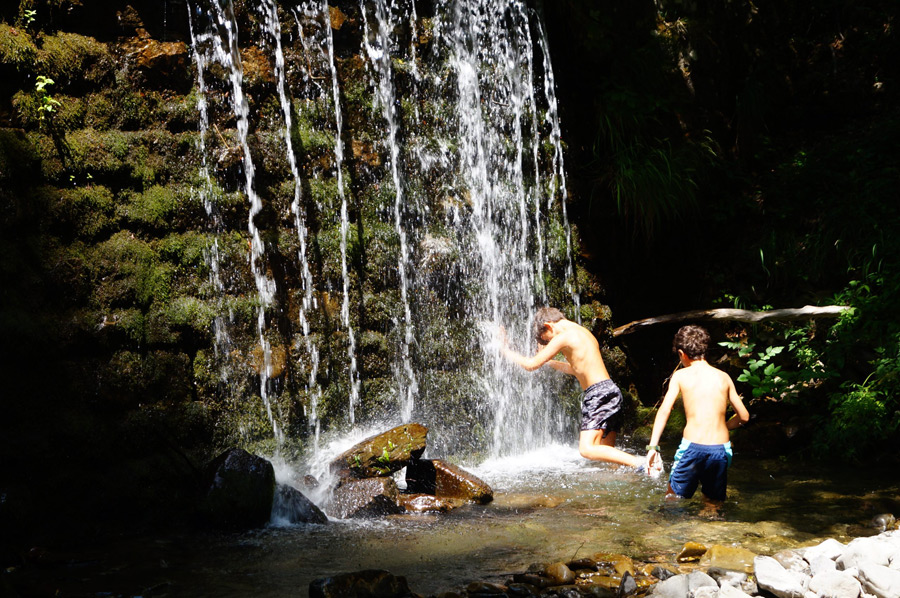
[{"x": 549, "y": 505}]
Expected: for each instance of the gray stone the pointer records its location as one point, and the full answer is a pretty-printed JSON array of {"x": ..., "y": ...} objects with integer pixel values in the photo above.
[
  {"x": 792, "y": 560},
  {"x": 372, "y": 497},
  {"x": 879, "y": 580},
  {"x": 240, "y": 489},
  {"x": 774, "y": 578},
  {"x": 830, "y": 549},
  {"x": 821, "y": 565},
  {"x": 674, "y": 587},
  {"x": 727, "y": 591},
  {"x": 698, "y": 579},
  {"x": 874, "y": 550},
  {"x": 835, "y": 584},
  {"x": 705, "y": 592}
]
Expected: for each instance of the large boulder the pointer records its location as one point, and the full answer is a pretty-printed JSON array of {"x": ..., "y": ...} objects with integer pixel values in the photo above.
[
  {"x": 292, "y": 506},
  {"x": 240, "y": 488},
  {"x": 445, "y": 480},
  {"x": 382, "y": 454},
  {"x": 371, "y": 497},
  {"x": 372, "y": 583}
]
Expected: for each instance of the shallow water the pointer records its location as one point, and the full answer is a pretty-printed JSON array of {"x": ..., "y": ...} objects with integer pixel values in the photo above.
[{"x": 549, "y": 505}]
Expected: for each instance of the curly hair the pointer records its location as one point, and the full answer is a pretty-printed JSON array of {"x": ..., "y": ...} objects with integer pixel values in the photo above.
[
  {"x": 693, "y": 340},
  {"x": 542, "y": 317}
]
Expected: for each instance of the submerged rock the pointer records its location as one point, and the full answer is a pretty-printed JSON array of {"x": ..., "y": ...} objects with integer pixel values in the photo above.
[
  {"x": 382, "y": 454},
  {"x": 240, "y": 490},
  {"x": 730, "y": 558},
  {"x": 427, "y": 503},
  {"x": 692, "y": 551},
  {"x": 445, "y": 480},
  {"x": 374, "y": 583},
  {"x": 371, "y": 497}
]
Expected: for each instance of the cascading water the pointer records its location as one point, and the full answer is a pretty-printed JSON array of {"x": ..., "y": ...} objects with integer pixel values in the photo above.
[{"x": 447, "y": 218}]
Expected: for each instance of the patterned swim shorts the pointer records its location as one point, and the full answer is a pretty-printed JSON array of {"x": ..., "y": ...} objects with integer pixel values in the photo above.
[{"x": 601, "y": 407}]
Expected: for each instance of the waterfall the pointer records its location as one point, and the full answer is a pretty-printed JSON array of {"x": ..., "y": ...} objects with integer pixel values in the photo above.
[{"x": 446, "y": 217}]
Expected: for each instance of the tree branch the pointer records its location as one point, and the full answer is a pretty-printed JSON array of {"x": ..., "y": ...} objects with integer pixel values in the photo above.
[{"x": 739, "y": 315}]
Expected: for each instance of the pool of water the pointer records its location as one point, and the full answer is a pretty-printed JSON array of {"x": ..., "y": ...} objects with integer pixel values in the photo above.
[{"x": 549, "y": 505}]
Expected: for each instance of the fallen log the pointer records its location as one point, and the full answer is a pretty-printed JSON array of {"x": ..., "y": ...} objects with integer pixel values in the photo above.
[{"x": 738, "y": 315}]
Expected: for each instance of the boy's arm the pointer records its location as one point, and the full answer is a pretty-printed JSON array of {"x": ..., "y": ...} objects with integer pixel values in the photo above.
[
  {"x": 561, "y": 366},
  {"x": 662, "y": 416},
  {"x": 741, "y": 415},
  {"x": 544, "y": 355}
]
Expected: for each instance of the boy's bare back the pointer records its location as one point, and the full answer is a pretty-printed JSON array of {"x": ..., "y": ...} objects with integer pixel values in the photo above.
[{"x": 706, "y": 392}]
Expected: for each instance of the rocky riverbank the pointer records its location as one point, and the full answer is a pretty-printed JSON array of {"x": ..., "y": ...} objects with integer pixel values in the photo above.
[{"x": 866, "y": 567}]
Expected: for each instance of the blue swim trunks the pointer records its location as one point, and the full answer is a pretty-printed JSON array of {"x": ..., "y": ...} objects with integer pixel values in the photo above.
[
  {"x": 601, "y": 407},
  {"x": 703, "y": 464}
]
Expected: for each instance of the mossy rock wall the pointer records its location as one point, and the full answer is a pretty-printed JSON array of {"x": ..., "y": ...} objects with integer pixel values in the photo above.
[{"x": 112, "y": 308}]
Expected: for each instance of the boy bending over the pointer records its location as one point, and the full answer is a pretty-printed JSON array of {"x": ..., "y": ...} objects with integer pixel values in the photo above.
[
  {"x": 704, "y": 455},
  {"x": 601, "y": 415}
]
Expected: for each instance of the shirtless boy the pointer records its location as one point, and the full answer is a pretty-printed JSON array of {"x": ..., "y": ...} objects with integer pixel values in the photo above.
[
  {"x": 704, "y": 455},
  {"x": 601, "y": 416}
]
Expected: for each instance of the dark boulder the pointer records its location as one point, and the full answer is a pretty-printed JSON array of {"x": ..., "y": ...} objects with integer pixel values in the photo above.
[
  {"x": 292, "y": 506},
  {"x": 445, "y": 480},
  {"x": 240, "y": 488},
  {"x": 382, "y": 454}
]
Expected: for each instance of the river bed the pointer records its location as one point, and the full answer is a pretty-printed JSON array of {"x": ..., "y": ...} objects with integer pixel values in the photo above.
[{"x": 549, "y": 505}]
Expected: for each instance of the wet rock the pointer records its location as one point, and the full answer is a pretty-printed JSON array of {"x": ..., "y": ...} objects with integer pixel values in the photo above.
[
  {"x": 602, "y": 580},
  {"x": 445, "y": 480},
  {"x": 692, "y": 551},
  {"x": 773, "y": 577},
  {"x": 835, "y": 584},
  {"x": 582, "y": 564},
  {"x": 628, "y": 586},
  {"x": 426, "y": 503},
  {"x": 373, "y": 583},
  {"x": 884, "y": 522},
  {"x": 383, "y": 454},
  {"x": 731, "y": 558},
  {"x": 619, "y": 563},
  {"x": 240, "y": 489},
  {"x": 661, "y": 573},
  {"x": 371, "y": 497},
  {"x": 522, "y": 590},
  {"x": 559, "y": 573},
  {"x": 292, "y": 506},
  {"x": 483, "y": 588},
  {"x": 163, "y": 64},
  {"x": 533, "y": 579}
]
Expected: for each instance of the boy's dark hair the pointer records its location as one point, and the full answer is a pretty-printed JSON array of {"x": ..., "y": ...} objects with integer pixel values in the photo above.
[
  {"x": 693, "y": 340},
  {"x": 543, "y": 316}
]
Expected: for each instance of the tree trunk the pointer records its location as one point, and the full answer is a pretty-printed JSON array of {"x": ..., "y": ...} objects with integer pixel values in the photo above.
[{"x": 739, "y": 315}]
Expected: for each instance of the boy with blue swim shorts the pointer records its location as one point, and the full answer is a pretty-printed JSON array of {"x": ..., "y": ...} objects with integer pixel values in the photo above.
[
  {"x": 704, "y": 456},
  {"x": 601, "y": 407}
]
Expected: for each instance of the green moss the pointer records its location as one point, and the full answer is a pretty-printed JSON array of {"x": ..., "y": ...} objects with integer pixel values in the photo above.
[
  {"x": 192, "y": 313},
  {"x": 85, "y": 212},
  {"x": 127, "y": 271},
  {"x": 17, "y": 48},
  {"x": 67, "y": 56},
  {"x": 152, "y": 208}
]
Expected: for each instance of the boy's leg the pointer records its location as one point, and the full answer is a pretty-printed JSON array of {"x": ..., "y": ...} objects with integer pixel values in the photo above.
[{"x": 593, "y": 445}]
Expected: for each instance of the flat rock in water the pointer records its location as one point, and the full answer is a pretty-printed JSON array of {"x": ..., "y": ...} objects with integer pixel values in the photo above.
[
  {"x": 692, "y": 551},
  {"x": 371, "y": 497},
  {"x": 374, "y": 583},
  {"x": 382, "y": 454},
  {"x": 730, "y": 558},
  {"x": 427, "y": 503},
  {"x": 445, "y": 480}
]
